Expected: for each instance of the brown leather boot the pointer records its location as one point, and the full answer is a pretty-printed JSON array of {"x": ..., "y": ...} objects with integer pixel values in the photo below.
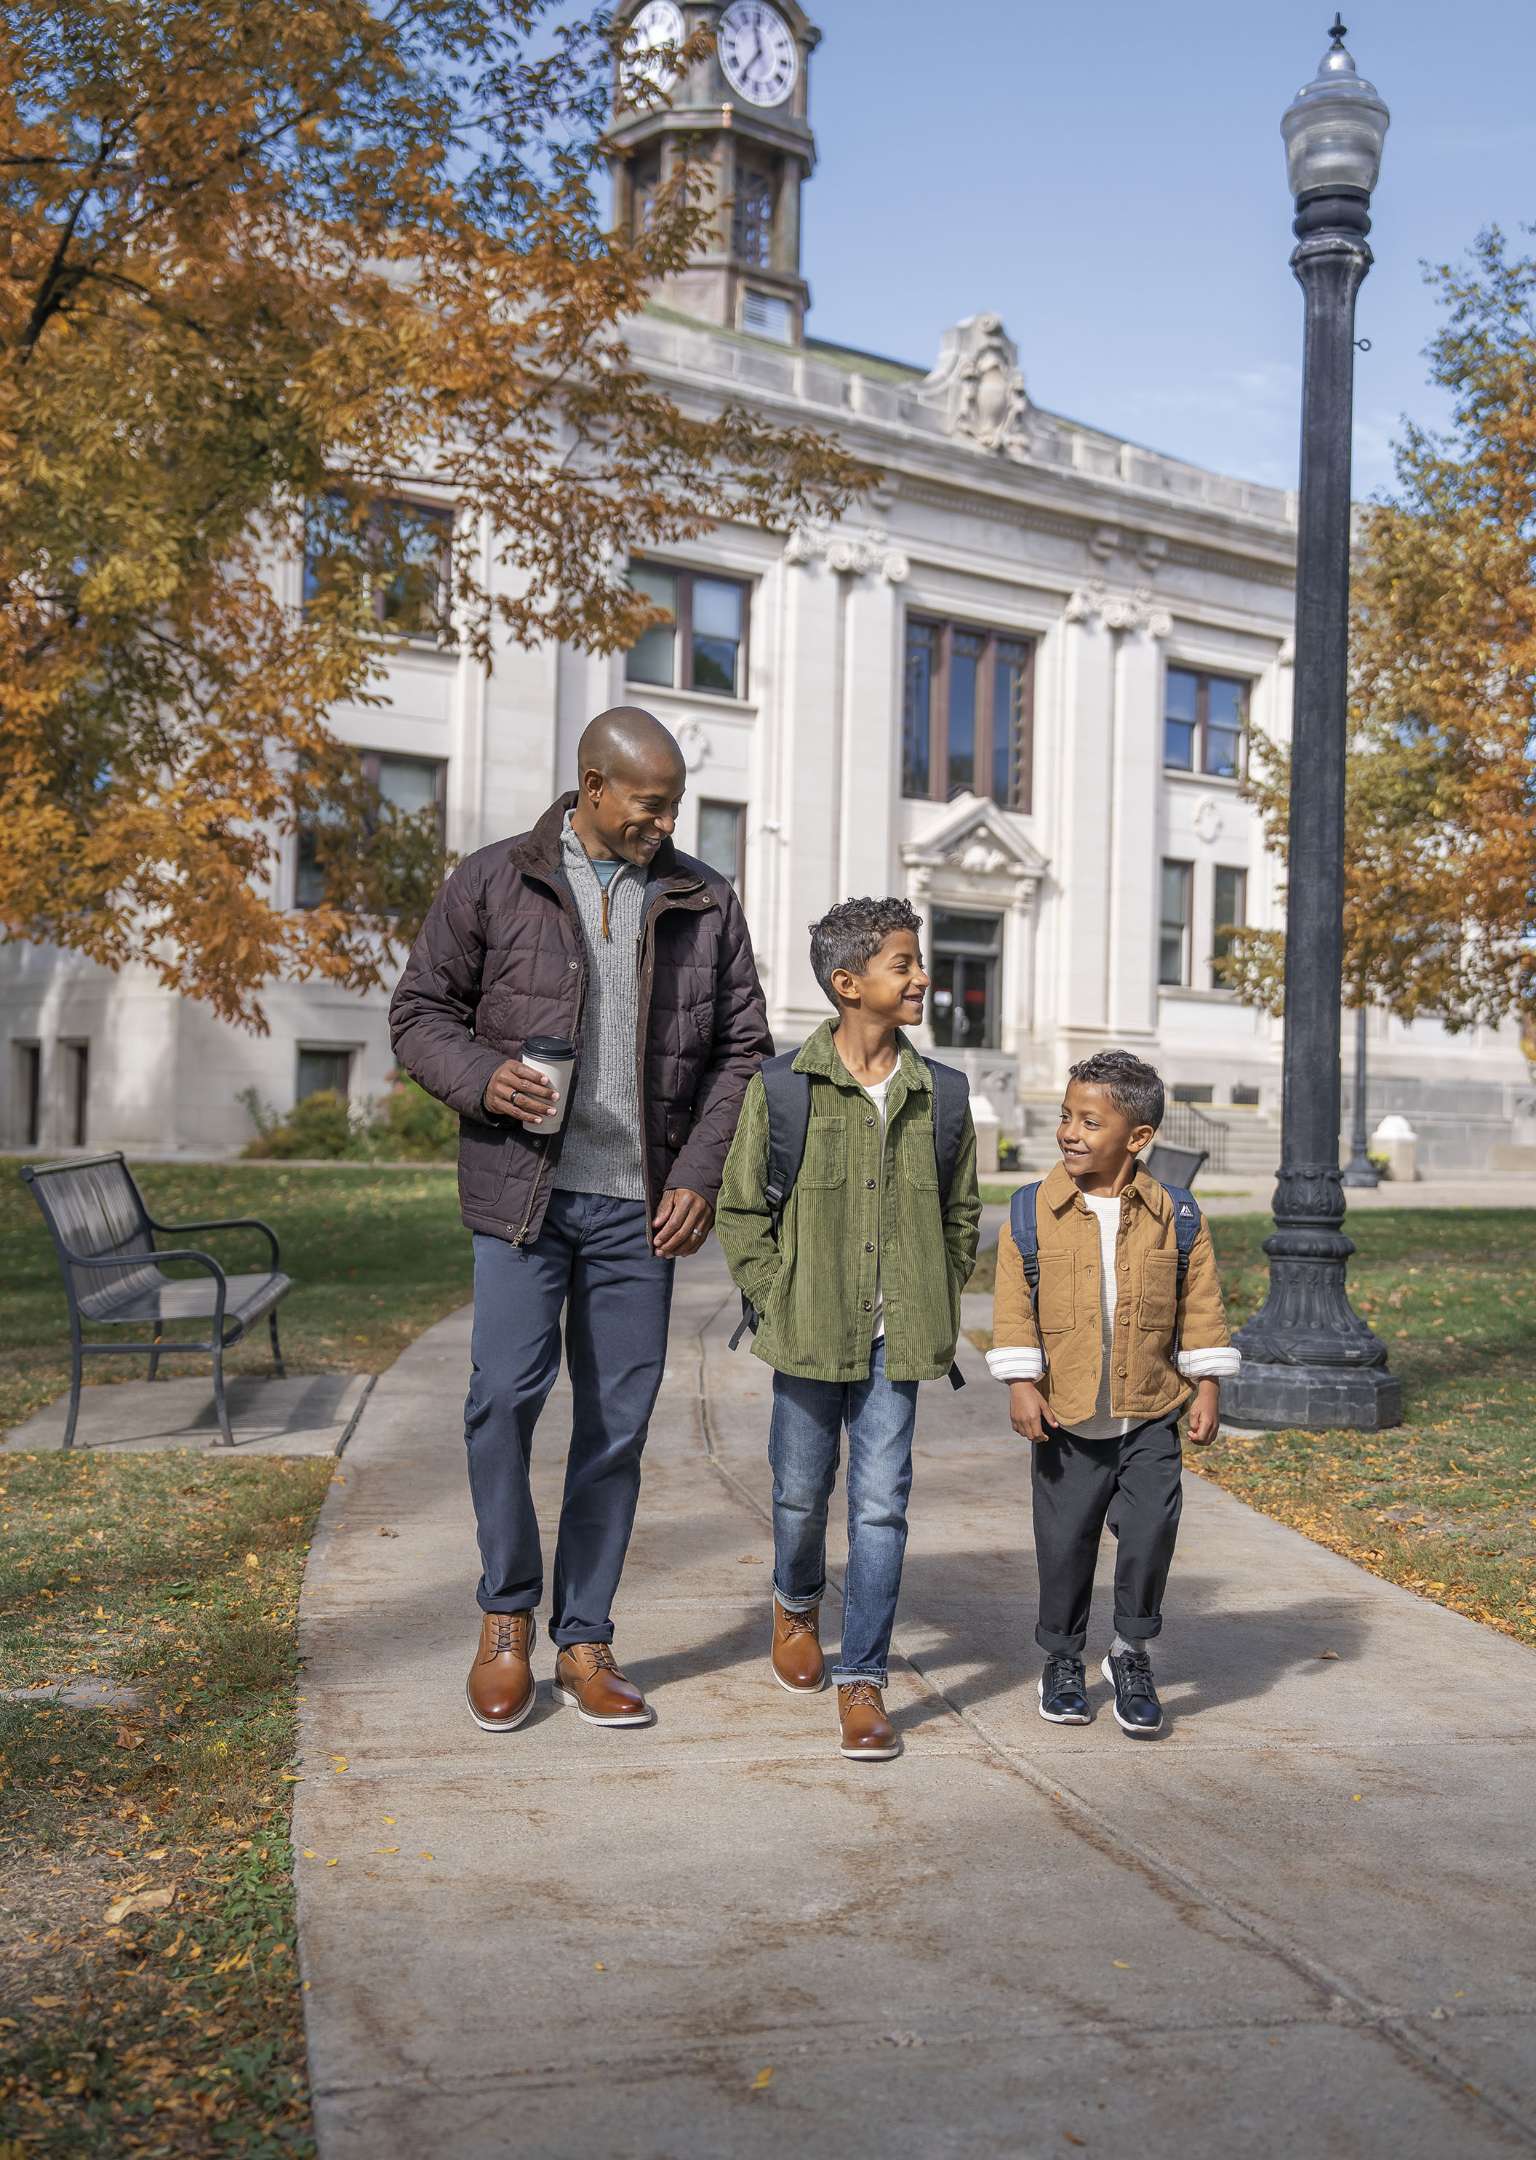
[
  {"x": 867, "y": 1735},
  {"x": 588, "y": 1680},
  {"x": 796, "y": 1652},
  {"x": 499, "y": 1689}
]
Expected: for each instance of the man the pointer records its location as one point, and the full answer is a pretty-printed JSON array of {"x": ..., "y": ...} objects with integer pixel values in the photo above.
[{"x": 592, "y": 927}]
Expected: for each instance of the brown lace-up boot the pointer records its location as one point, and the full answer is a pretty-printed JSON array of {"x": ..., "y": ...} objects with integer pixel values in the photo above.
[
  {"x": 796, "y": 1652},
  {"x": 588, "y": 1680},
  {"x": 499, "y": 1689},
  {"x": 867, "y": 1733}
]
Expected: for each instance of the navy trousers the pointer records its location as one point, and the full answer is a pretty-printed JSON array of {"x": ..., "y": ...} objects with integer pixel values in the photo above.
[{"x": 592, "y": 1265}]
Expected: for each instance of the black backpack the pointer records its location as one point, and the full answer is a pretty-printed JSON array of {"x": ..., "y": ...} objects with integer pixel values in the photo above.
[{"x": 788, "y": 1096}]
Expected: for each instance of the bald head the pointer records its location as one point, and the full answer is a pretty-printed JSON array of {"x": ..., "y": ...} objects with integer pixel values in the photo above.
[
  {"x": 629, "y": 782},
  {"x": 627, "y": 740}
]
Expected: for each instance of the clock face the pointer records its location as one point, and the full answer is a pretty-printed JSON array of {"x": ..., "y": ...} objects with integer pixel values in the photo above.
[
  {"x": 655, "y": 25},
  {"x": 757, "y": 52}
]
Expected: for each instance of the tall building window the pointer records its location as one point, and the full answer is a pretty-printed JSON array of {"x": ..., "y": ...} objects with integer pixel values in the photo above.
[
  {"x": 77, "y": 1083},
  {"x": 967, "y": 714},
  {"x": 752, "y": 217},
  {"x": 29, "y": 1093},
  {"x": 322, "y": 1071},
  {"x": 1204, "y": 719},
  {"x": 399, "y": 553},
  {"x": 406, "y": 787},
  {"x": 1173, "y": 926},
  {"x": 962, "y": 965},
  {"x": 722, "y": 839},
  {"x": 703, "y": 643},
  {"x": 644, "y": 181},
  {"x": 1229, "y": 912}
]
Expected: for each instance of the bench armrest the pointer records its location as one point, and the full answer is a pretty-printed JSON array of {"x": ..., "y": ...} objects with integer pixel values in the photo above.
[
  {"x": 234, "y": 1222},
  {"x": 185, "y": 1252}
]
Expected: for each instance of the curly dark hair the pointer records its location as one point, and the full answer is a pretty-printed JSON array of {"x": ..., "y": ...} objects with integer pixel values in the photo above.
[
  {"x": 1133, "y": 1086},
  {"x": 850, "y": 934}
]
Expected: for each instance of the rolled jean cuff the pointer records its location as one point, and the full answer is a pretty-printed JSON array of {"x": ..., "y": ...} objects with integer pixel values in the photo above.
[
  {"x": 1061, "y": 1645},
  {"x": 1138, "y": 1630},
  {"x": 567, "y": 1638},
  {"x": 842, "y": 1677},
  {"x": 801, "y": 1604}
]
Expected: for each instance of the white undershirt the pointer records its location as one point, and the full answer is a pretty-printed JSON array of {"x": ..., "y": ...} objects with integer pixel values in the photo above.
[
  {"x": 877, "y": 1090},
  {"x": 1102, "y": 1426}
]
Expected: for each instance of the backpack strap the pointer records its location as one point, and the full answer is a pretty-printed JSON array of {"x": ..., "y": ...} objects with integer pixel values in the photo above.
[
  {"x": 951, "y": 1099},
  {"x": 1023, "y": 1214},
  {"x": 788, "y": 1096},
  {"x": 1186, "y": 1226}
]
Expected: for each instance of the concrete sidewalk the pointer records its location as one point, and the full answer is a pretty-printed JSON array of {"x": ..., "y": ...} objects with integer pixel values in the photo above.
[{"x": 1299, "y": 1924}]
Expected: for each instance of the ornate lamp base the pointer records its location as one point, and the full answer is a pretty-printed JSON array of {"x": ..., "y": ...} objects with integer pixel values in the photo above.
[{"x": 1313, "y": 1398}]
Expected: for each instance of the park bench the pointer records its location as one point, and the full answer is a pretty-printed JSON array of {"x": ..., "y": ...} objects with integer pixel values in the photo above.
[
  {"x": 114, "y": 1276},
  {"x": 1174, "y": 1165}
]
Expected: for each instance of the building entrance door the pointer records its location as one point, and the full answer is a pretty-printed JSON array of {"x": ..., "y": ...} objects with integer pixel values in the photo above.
[{"x": 963, "y": 968}]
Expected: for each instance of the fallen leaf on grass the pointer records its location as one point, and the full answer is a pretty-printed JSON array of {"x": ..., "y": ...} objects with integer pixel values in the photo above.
[
  {"x": 48, "y": 2002},
  {"x": 139, "y": 1901},
  {"x": 251, "y": 1560}
]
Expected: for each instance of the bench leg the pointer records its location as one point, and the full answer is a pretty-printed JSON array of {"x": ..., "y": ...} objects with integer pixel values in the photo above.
[
  {"x": 219, "y": 1403},
  {"x": 277, "y": 1355},
  {"x": 154, "y": 1356},
  {"x": 76, "y": 1374}
]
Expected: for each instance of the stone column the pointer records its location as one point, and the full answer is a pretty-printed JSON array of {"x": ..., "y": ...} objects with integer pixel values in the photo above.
[
  {"x": 1081, "y": 958},
  {"x": 1135, "y": 837}
]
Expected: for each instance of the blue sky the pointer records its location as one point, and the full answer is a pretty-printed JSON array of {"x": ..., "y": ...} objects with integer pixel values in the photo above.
[{"x": 1108, "y": 176}]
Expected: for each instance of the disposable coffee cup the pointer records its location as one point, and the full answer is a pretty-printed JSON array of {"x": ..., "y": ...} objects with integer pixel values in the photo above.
[{"x": 554, "y": 1057}]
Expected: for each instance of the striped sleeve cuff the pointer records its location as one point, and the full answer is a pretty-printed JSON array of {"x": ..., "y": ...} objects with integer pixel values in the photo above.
[
  {"x": 1017, "y": 1364},
  {"x": 1210, "y": 1364}
]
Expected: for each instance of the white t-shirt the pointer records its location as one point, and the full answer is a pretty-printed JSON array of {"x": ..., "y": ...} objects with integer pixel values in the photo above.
[
  {"x": 1101, "y": 1426},
  {"x": 877, "y": 1090}
]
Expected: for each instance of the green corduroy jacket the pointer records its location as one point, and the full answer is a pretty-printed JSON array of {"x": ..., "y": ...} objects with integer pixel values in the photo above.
[{"x": 859, "y": 1212}]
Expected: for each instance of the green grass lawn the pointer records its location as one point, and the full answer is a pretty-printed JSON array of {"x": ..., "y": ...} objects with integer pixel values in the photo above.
[
  {"x": 1445, "y": 1504},
  {"x": 376, "y": 1256},
  {"x": 174, "y": 2029}
]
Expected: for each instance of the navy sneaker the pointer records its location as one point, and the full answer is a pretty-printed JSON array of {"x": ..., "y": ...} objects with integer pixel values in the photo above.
[
  {"x": 1137, "y": 1709},
  {"x": 1063, "y": 1694}
]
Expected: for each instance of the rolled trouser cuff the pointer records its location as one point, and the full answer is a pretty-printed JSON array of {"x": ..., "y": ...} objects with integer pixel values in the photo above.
[
  {"x": 1138, "y": 1630},
  {"x": 1062, "y": 1645},
  {"x": 841, "y": 1677},
  {"x": 800, "y": 1604}
]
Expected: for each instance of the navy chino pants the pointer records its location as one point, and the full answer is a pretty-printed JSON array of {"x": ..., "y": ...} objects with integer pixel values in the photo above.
[{"x": 592, "y": 1265}]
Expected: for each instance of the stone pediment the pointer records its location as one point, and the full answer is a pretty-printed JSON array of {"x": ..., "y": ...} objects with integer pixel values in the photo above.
[{"x": 977, "y": 844}]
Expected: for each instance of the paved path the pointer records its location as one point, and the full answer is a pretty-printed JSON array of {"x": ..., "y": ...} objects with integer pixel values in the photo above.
[
  {"x": 309, "y": 1414},
  {"x": 1299, "y": 1924}
]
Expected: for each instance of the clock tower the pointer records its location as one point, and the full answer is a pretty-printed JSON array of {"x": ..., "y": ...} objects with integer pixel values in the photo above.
[{"x": 742, "y": 113}]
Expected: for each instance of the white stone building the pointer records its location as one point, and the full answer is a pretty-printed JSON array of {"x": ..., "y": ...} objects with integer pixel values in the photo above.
[{"x": 1014, "y": 685}]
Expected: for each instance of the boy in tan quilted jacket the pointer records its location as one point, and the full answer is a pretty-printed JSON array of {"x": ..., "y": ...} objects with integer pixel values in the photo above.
[{"x": 1101, "y": 1363}]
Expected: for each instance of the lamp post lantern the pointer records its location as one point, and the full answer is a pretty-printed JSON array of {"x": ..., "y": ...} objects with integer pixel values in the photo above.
[{"x": 1309, "y": 1360}]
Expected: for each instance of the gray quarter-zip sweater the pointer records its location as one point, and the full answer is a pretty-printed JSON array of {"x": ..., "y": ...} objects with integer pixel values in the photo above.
[{"x": 601, "y": 1148}]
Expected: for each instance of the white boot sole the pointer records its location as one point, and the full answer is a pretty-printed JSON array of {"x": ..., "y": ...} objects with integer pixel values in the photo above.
[
  {"x": 573, "y": 1702},
  {"x": 869, "y": 1754},
  {"x": 505, "y": 1724},
  {"x": 1137, "y": 1732},
  {"x": 789, "y": 1687}
]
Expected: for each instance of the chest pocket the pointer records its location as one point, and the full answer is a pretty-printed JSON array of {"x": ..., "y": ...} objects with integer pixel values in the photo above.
[
  {"x": 825, "y": 1162},
  {"x": 1159, "y": 1290},
  {"x": 916, "y": 1159},
  {"x": 1058, "y": 1292}
]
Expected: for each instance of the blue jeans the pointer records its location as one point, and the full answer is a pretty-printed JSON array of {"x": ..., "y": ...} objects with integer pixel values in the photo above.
[
  {"x": 808, "y": 1421},
  {"x": 592, "y": 1262}
]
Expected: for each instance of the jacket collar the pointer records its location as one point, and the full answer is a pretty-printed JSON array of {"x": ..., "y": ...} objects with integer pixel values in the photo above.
[
  {"x": 1059, "y": 1191},
  {"x": 818, "y": 1055},
  {"x": 540, "y": 851}
]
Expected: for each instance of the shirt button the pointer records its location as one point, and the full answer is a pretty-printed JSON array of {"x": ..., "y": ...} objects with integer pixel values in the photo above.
[
  {"x": 869, "y": 1121},
  {"x": 868, "y": 1306},
  {"x": 869, "y": 1184},
  {"x": 869, "y": 1248}
]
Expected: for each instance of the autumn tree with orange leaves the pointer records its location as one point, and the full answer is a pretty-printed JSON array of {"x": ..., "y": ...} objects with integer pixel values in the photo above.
[
  {"x": 1440, "y": 859},
  {"x": 255, "y": 256}
]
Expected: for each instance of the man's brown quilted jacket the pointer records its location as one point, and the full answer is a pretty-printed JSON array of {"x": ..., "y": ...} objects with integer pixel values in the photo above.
[{"x": 501, "y": 957}]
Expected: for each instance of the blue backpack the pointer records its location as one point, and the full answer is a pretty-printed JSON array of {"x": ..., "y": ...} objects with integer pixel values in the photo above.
[{"x": 1022, "y": 1222}]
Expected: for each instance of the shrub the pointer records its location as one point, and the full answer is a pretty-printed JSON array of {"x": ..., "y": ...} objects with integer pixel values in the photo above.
[
  {"x": 408, "y": 1125},
  {"x": 321, "y": 1125}
]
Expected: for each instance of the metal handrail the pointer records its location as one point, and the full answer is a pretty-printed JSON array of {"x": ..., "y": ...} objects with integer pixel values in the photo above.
[{"x": 1184, "y": 1125}]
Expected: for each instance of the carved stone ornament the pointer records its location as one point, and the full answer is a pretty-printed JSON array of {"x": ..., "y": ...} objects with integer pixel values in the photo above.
[
  {"x": 1119, "y": 611},
  {"x": 975, "y": 845},
  {"x": 694, "y": 744},
  {"x": 978, "y": 389},
  {"x": 848, "y": 552},
  {"x": 1208, "y": 821},
  {"x": 1287, "y": 653}
]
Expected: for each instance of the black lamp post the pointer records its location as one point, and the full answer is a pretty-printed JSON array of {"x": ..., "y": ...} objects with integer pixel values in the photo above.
[
  {"x": 1360, "y": 1171},
  {"x": 1309, "y": 1360}
]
